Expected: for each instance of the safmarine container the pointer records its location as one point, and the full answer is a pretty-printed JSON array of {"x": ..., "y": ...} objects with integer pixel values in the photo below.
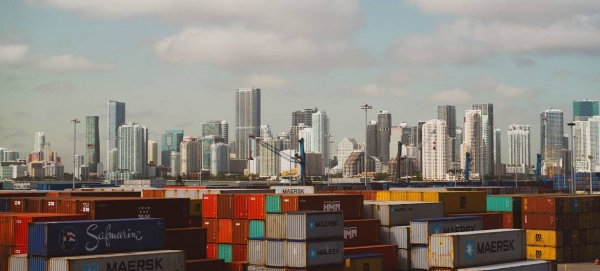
[
  {"x": 276, "y": 253},
  {"x": 400, "y": 213},
  {"x": 351, "y": 205},
  {"x": 256, "y": 229},
  {"x": 468, "y": 249},
  {"x": 361, "y": 232},
  {"x": 307, "y": 225},
  {"x": 421, "y": 229},
  {"x": 314, "y": 253},
  {"x": 396, "y": 235},
  {"x": 361, "y": 262},
  {"x": 191, "y": 240},
  {"x": 275, "y": 226},
  {"x": 257, "y": 249},
  {"x": 18, "y": 263},
  {"x": 71, "y": 238},
  {"x": 22, "y": 221},
  {"x": 418, "y": 257},
  {"x": 514, "y": 266},
  {"x": 172, "y": 260}
]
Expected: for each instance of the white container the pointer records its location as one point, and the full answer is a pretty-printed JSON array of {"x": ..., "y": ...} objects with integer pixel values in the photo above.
[
  {"x": 396, "y": 235},
  {"x": 257, "y": 252},
  {"x": 275, "y": 226},
  {"x": 171, "y": 193},
  {"x": 293, "y": 189},
  {"x": 171, "y": 260},
  {"x": 274, "y": 269},
  {"x": 257, "y": 267},
  {"x": 276, "y": 253},
  {"x": 421, "y": 229},
  {"x": 400, "y": 213},
  {"x": 477, "y": 248},
  {"x": 309, "y": 225},
  {"x": 404, "y": 259},
  {"x": 314, "y": 253},
  {"x": 514, "y": 266},
  {"x": 418, "y": 257},
  {"x": 18, "y": 262}
]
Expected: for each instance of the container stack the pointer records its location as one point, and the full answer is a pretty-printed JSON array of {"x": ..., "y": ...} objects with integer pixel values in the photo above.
[{"x": 509, "y": 206}]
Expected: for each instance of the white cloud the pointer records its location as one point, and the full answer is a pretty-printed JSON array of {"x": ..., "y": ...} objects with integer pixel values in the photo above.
[
  {"x": 12, "y": 53},
  {"x": 67, "y": 63},
  {"x": 265, "y": 81},
  {"x": 451, "y": 96},
  {"x": 55, "y": 87},
  {"x": 488, "y": 83},
  {"x": 378, "y": 91}
]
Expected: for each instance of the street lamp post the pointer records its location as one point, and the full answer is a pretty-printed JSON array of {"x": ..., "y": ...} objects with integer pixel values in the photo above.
[
  {"x": 329, "y": 136},
  {"x": 366, "y": 107},
  {"x": 591, "y": 165},
  {"x": 572, "y": 158},
  {"x": 74, "y": 121},
  {"x": 290, "y": 171}
]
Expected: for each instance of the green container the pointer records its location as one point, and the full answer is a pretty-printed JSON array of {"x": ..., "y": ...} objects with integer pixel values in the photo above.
[
  {"x": 225, "y": 252},
  {"x": 257, "y": 229},
  {"x": 499, "y": 203},
  {"x": 273, "y": 204}
]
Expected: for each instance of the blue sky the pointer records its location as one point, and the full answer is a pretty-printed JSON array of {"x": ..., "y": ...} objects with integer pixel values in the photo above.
[{"x": 176, "y": 63}]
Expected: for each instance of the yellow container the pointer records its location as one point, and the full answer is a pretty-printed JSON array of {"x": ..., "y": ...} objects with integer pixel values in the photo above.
[
  {"x": 371, "y": 262},
  {"x": 543, "y": 253},
  {"x": 382, "y": 196},
  {"x": 463, "y": 202},
  {"x": 431, "y": 196},
  {"x": 544, "y": 238},
  {"x": 414, "y": 196},
  {"x": 195, "y": 207},
  {"x": 398, "y": 195}
]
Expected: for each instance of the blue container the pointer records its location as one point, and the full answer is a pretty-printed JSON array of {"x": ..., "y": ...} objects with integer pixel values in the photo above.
[
  {"x": 74, "y": 238},
  {"x": 54, "y": 186},
  {"x": 37, "y": 264},
  {"x": 3, "y": 205}
]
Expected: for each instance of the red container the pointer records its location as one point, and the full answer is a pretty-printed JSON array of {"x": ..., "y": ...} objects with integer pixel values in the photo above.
[
  {"x": 236, "y": 266},
  {"x": 225, "y": 235},
  {"x": 507, "y": 220},
  {"x": 191, "y": 240},
  {"x": 240, "y": 232},
  {"x": 542, "y": 222},
  {"x": 22, "y": 223},
  {"x": 361, "y": 232},
  {"x": 68, "y": 206},
  {"x": 17, "y": 205},
  {"x": 196, "y": 222},
  {"x": 205, "y": 265},
  {"x": 240, "y": 206},
  {"x": 212, "y": 229},
  {"x": 225, "y": 206},
  {"x": 20, "y": 250},
  {"x": 351, "y": 205},
  {"x": 240, "y": 253},
  {"x": 102, "y": 194},
  {"x": 34, "y": 205},
  {"x": 12, "y": 194},
  {"x": 209, "y": 206},
  {"x": 7, "y": 224},
  {"x": 369, "y": 194},
  {"x": 256, "y": 206},
  {"x": 388, "y": 253},
  {"x": 546, "y": 204},
  {"x": 212, "y": 251},
  {"x": 491, "y": 221},
  {"x": 52, "y": 206},
  {"x": 5, "y": 252}
]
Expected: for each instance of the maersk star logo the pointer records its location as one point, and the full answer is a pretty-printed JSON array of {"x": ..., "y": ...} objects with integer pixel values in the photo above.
[
  {"x": 90, "y": 267},
  {"x": 437, "y": 229},
  {"x": 311, "y": 224},
  {"x": 312, "y": 253},
  {"x": 469, "y": 249}
]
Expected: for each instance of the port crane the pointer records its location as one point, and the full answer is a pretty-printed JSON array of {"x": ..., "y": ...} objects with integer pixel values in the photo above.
[{"x": 297, "y": 159}]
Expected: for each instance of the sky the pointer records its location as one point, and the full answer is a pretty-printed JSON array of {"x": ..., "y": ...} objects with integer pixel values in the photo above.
[{"x": 176, "y": 64}]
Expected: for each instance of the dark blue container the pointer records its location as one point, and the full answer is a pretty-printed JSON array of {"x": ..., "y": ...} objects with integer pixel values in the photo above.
[
  {"x": 74, "y": 238},
  {"x": 37, "y": 264},
  {"x": 3, "y": 205},
  {"x": 55, "y": 186}
]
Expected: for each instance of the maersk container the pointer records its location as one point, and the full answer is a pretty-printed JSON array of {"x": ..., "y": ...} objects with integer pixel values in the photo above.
[
  {"x": 314, "y": 253},
  {"x": 72, "y": 238},
  {"x": 418, "y": 257},
  {"x": 421, "y": 229},
  {"x": 476, "y": 248},
  {"x": 514, "y": 266},
  {"x": 276, "y": 253},
  {"x": 256, "y": 229},
  {"x": 293, "y": 189},
  {"x": 400, "y": 213},
  {"x": 18, "y": 263},
  {"x": 257, "y": 251},
  {"x": 309, "y": 225},
  {"x": 171, "y": 260},
  {"x": 396, "y": 235},
  {"x": 275, "y": 226}
]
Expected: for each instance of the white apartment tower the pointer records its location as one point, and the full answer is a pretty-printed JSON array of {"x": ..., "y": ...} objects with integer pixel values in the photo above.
[
  {"x": 435, "y": 150},
  {"x": 519, "y": 145},
  {"x": 345, "y": 148},
  {"x": 133, "y": 149},
  {"x": 587, "y": 144},
  {"x": 472, "y": 141},
  {"x": 191, "y": 155},
  {"x": 269, "y": 161},
  {"x": 40, "y": 139},
  {"x": 320, "y": 127},
  {"x": 219, "y": 158}
]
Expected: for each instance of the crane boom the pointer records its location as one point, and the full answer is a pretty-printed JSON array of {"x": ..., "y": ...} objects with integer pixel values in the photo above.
[{"x": 297, "y": 159}]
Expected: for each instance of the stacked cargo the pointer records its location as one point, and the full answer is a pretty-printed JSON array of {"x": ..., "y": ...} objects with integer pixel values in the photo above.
[{"x": 510, "y": 206}]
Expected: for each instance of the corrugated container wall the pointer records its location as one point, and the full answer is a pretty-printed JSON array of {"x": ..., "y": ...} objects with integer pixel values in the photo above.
[
  {"x": 401, "y": 213},
  {"x": 396, "y": 235},
  {"x": 209, "y": 206},
  {"x": 361, "y": 232},
  {"x": 225, "y": 252},
  {"x": 419, "y": 258},
  {"x": 152, "y": 260},
  {"x": 307, "y": 225},
  {"x": 191, "y": 240},
  {"x": 256, "y": 206},
  {"x": 314, "y": 253},
  {"x": 515, "y": 266},
  {"x": 257, "y": 251},
  {"x": 351, "y": 205},
  {"x": 240, "y": 206},
  {"x": 388, "y": 253},
  {"x": 225, "y": 208},
  {"x": 276, "y": 253},
  {"x": 18, "y": 263},
  {"x": 256, "y": 229},
  {"x": 212, "y": 229},
  {"x": 370, "y": 262},
  {"x": 459, "y": 202},
  {"x": 272, "y": 204},
  {"x": 275, "y": 226},
  {"x": 421, "y": 229},
  {"x": 240, "y": 231},
  {"x": 404, "y": 259}
]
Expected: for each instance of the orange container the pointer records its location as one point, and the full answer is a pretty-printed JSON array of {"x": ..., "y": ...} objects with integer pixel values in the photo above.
[
  {"x": 52, "y": 206},
  {"x": 240, "y": 206},
  {"x": 209, "y": 205},
  {"x": 225, "y": 235},
  {"x": 212, "y": 251},
  {"x": 256, "y": 206}
]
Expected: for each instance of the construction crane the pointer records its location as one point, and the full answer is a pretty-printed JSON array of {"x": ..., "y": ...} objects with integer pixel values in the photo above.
[{"x": 297, "y": 159}]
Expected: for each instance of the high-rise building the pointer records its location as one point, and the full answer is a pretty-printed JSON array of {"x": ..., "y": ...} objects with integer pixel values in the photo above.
[
  {"x": 487, "y": 131},
  {"x": 171, "y": 141},
  {"x": 133, "y": 149},
  {"x": 218, "y": 128},
  {"x": 551, "y": 139},
  {"x": 219, "y": 158},
  {"x": 320, "y": 139},
  {"x": 384, "y": 126},
  {"x": 116, "y": 118},
  {"x": 519, "y": 145},
  {"x": 371, "y": 141},
  {"x": 447, "y": 113},
  {"x": 294, "y": 135},
  {"x": 584, "y": 109},
  {"x": 208, "y": 141},
  {"x": 247, "y": 118},
  {"x": 11, "y": 155},
  {"x": 304, "y": 117},
  {"x": 152, "y": 152},
  {"x": 79, "y": 164},
  {"x": 92, "y": 141},
  {"x": 265, "y": 131},
  {"x": 497, "y": 146},
  {"x": 345, "y": 148},
  {"x": 307, "y": 134},
  {"x": 458, "y": 139},
  {"x": 191, "y": 155},
  {"x": 435, "y": 150},
  {"x": 113, "y": 158},
  {"x": 175, "y": 163},
  {"x": 587, "y": 144},
  {"x": 47, "y": 151},
  {"x": 269, "y": 162},
  {"x": 472, "y": 141},
  {"x": 40, "y": 139},
  {"x": 396, "y": 134}
]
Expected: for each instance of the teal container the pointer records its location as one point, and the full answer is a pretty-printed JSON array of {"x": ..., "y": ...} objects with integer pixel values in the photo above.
[
  {"x": 226, "y": 252},
  {"x": 257, "y": 229},
  {"x": 499, "y": 203},
  {"x": 273, "y": 204}
]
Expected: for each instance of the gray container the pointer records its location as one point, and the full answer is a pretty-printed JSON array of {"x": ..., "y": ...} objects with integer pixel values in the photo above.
[
  {"x": 275, "y": 226},
  {"x": 309, "y": 225},
  {"x": 276, "y": 253},
  {"x": 477, "y": 248},
  {"x": 274, "y": 269},
  {"x": 171, "y": 260},
  {"x": 421, "y": 229},
  {"x": 257, "y": 252},
  {"x": 257, "y": 267},
  {"x": 404, "y": 259},
  {"x": 418, "y": 257},
  {"x": 400, "y": 213},
  {"x": 514, "y": 266},
  {"x": 18, "y": 262},
  {"x": 368, "y": 209},
  {"x": 314, "y": 253},
  {"x": 396, "y": 235}
]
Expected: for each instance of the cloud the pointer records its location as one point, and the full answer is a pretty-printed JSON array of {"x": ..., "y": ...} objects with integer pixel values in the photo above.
[
  {"x": 21, "y": 114},
  {"x": 524, "y": 62},
  {"x": 144, "y": 114},
  {"x": 561, "y": 73},
  {"x": 16, "y": 133},
  {"x": 13, "y": 53},
  {"x": 451, "y": 96},
  {"x": 186, "y": 124},
  {"x": 265, "y": 81},
  {"x": 488, "y": 83},
  {"x": 377, "y": 91},
  {"x": 55, "y": 87}
]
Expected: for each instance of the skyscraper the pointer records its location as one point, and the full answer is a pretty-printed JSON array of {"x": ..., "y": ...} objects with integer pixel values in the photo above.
[
  {"x": 447, "y": 113},
  {"x": 191, "y": 156},
  {"x": 320, "y": 127},
  {"x": 384, "y": 126},
  {"x": 303, "y": 117},
  {"x": 269, "y": 162},
  {"x": 133, "y": 149},
  {"x": 587, "y": 143},
  {"x": 247, "y": 119},
  {"x": 497, "y": 146},
  {"x": 584, "y": 109},
  {"x": 472, "y": 142},
  {"x": 116, "y": 118},
  {"x": 265, "y": 131},
  {"x": 551, "y": 138},
  {"x": 487, "y": 130},
  {"x": 345, "y": 148},
  {"x": 170, "y": 142},
  {"x": 435, "y": 149},
  {"x": 208, "y": 141},
  {"x": 519, "y": 145},
  {"x": 152, "y": 152},
  {"x": 396, "y": 135},
  {"x": 219, "y": 158},
  {"x": 92, "y": 141},
  {"x": 40, "y": 139},
  {"x": 216, "y": 128},
  {"x": 371, "y": 141}
]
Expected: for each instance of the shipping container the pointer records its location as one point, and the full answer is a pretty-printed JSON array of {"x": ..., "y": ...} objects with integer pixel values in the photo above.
[
  {"x": 204, "y": 265},
  {"x": 421, "y": 229},
  {"x": 397, "y": 195},
  {"x": 225, "y": 231},
  {"x": 240, "y": 232},
  {"x": 400, "y": 213},
  {"x": 550, "y": 204},
  {"x": 225, "y": 252},
  {"x": 511, "y": 220},
  {"x": 419, "y": 257},
  {"x": 276, "y": 255},
  {"x": 96, "y": 236},
  {"x": 547, "y": 221},
  {"x": 272, "y": 203},
  {"x": 309, "y": 225},
  {"x": 225, "y": 206},
  {"x": 52, "y": 206},
  {"x": 20, "y": 250},
  {"x": 362, "y": 262},
  {"x": 236, "y": 266},
  {"x": 34, "y": 205},
  {"x": 240, "y": 253},
  {"x": 174, "y": 260},
  {"x": 212, "y": 251},
  {"x": 256, "y": 267},
  {"x": 491, "y": 221},
  {"x": 7, "y": 226},
  {"x": 195, "y": 207},
  {"x": 191, "y": 240},
  {"x": 515, "y": 266},
  {"x": 212, "y": 229},
  {"x": 17, "y": 205},
  {"x": 209, "y": 206},
  {"x": 275, "y": 226},
  {"x": 293, "y": 189},
  {"x": 468, "y": 249},
  {"x": 334, "y": 267},
  {"x": 404, "y": 259},
  {"x": 5, "y": 252},
  {"x": 256, "y": 229},
  {"x": 388, "y": 253},
  {"x": 504, "y": 203},
  {"x": 313, "y": 253},
  {"x": 458, "y": 202},
  {"x": 383, "y": 196},
  {"x": 257, "y": 251},
  {"x": 361, "y": 232},
  {"x": 395, "y": 235},
  {"x": 3, "y": 205},
  {"x": 256, "y": 206},
  {"x": 22, "y": 223},
  {"x": 18, "y": 263},
  {"x": 240, "y": 206},
  {"x": 351, "y": 205}
]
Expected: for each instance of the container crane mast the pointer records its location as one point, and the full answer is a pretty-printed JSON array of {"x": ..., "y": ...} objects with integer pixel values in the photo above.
[{"x": 297, "y": 159}]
